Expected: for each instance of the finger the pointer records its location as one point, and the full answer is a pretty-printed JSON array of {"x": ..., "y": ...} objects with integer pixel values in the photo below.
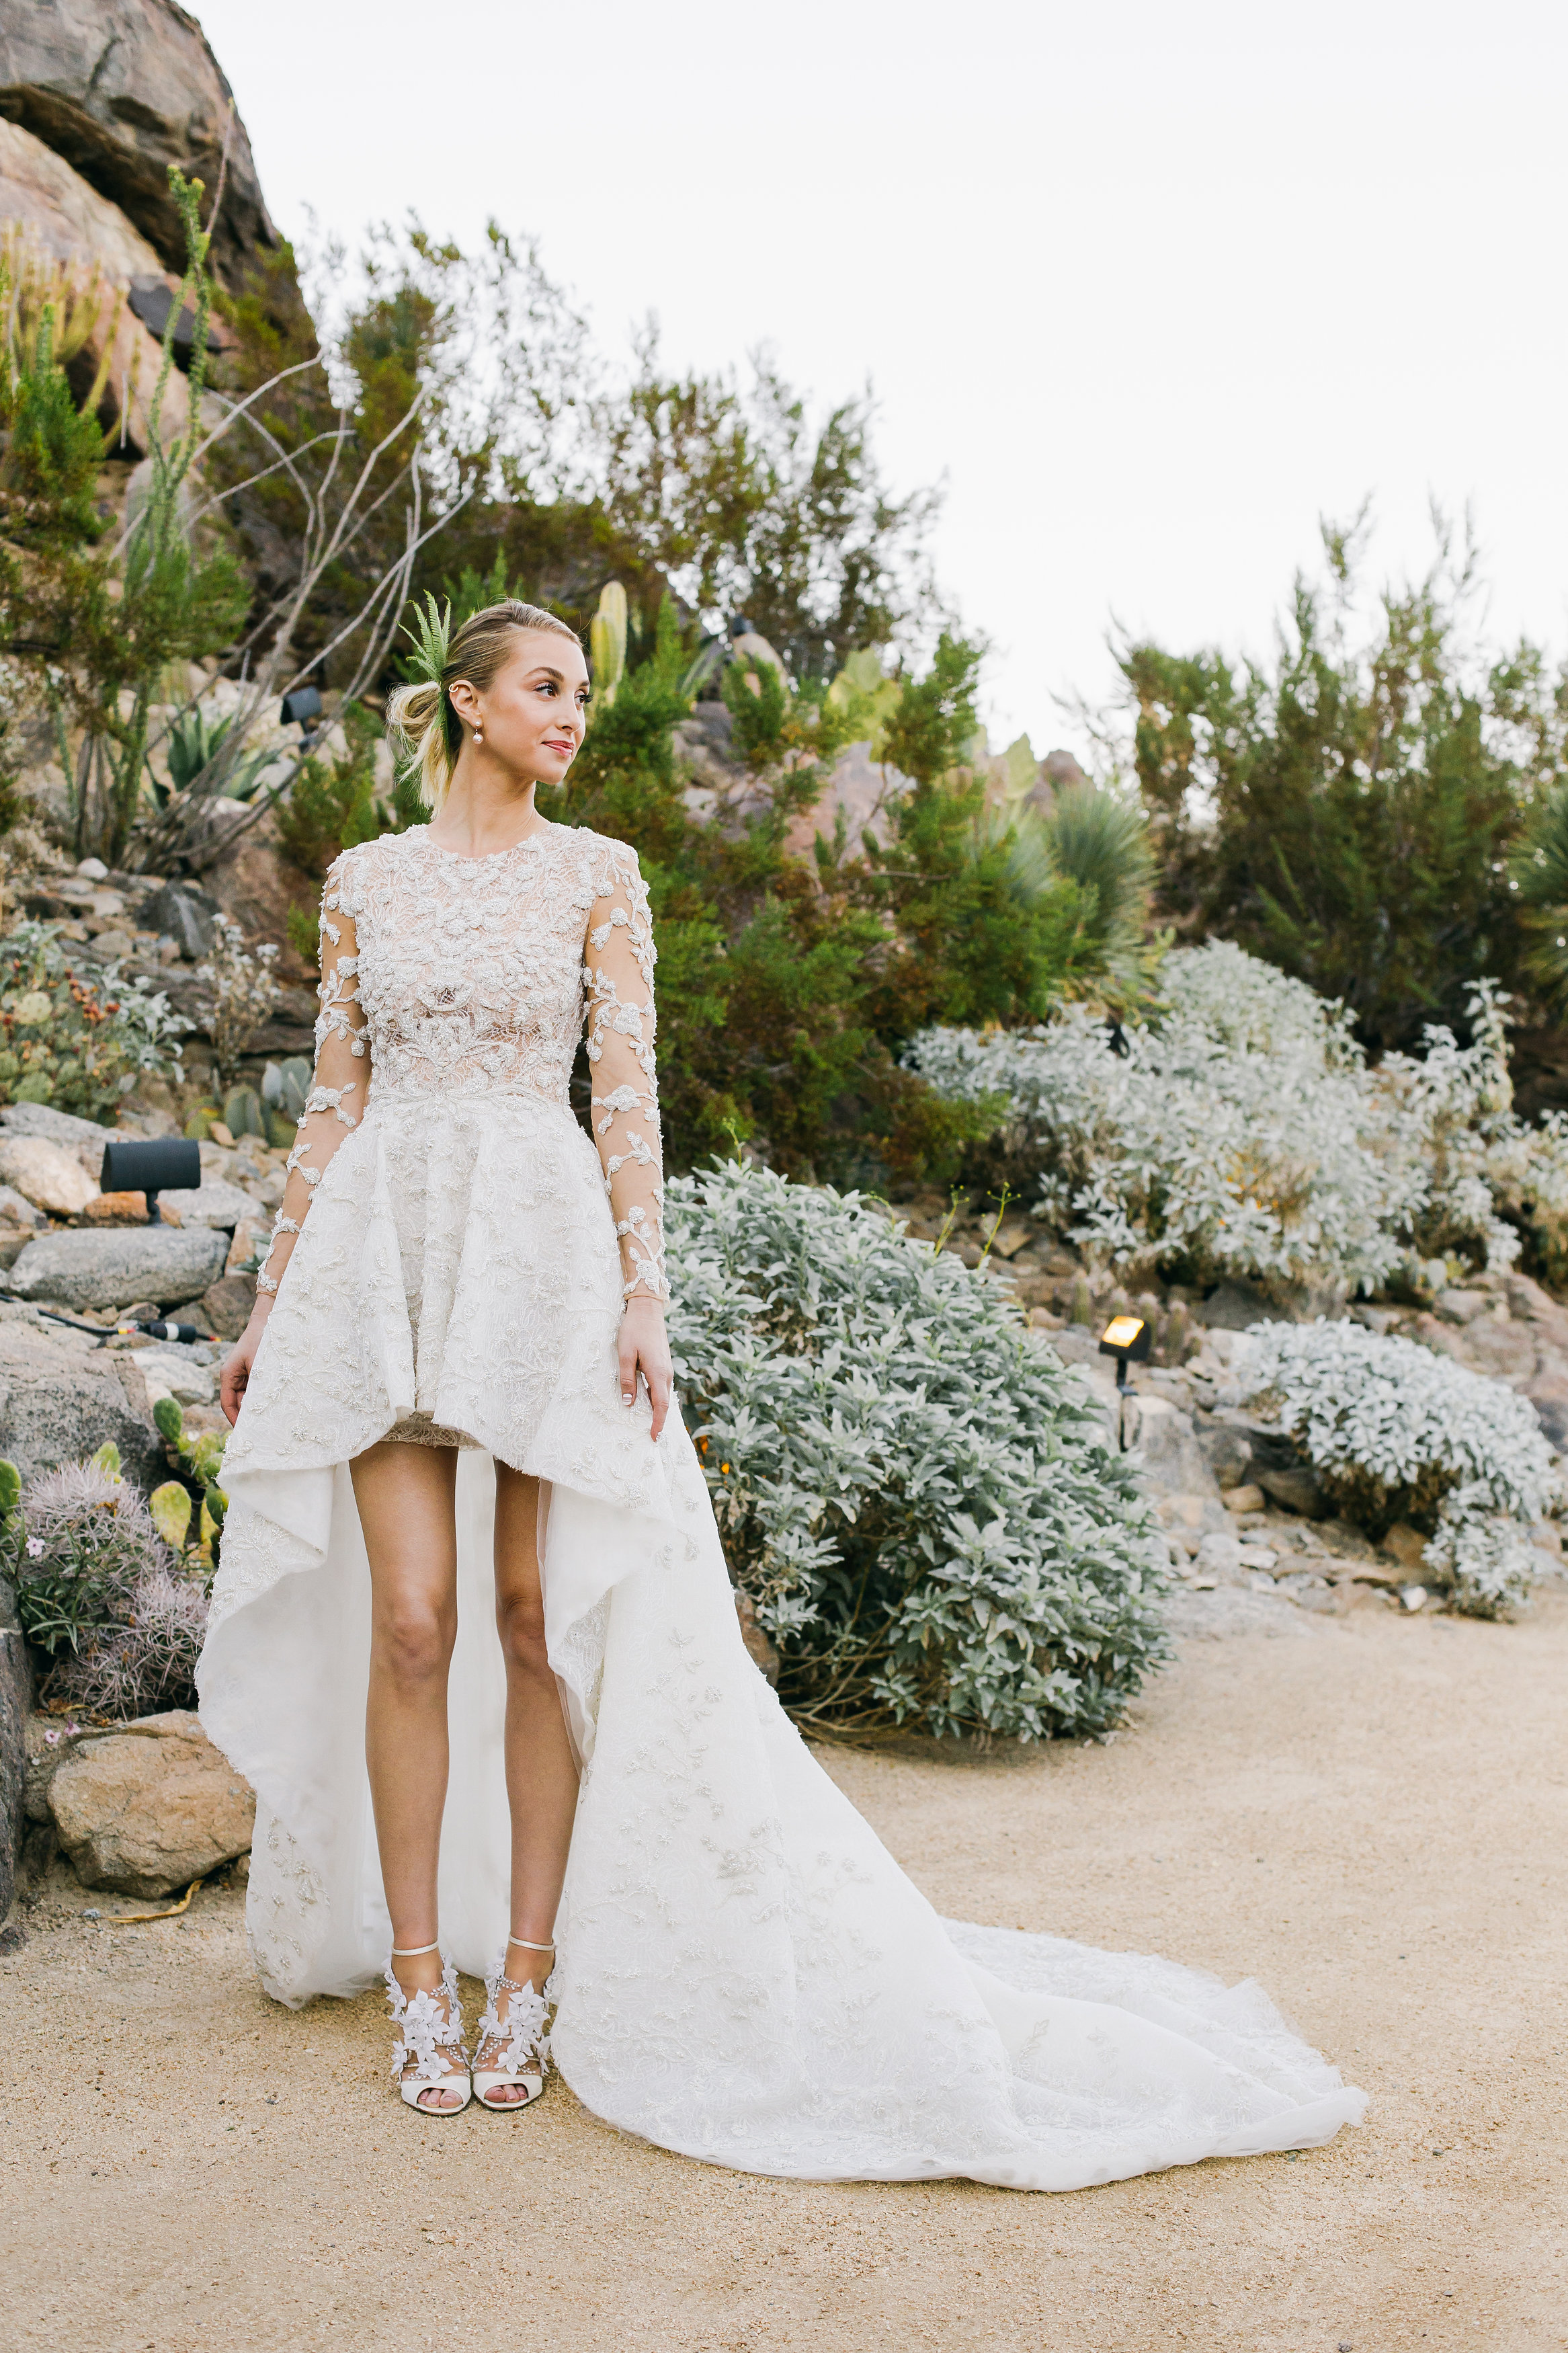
[
  {"x": 627, "y": 1364},
  {"x": 658, "y": 1391}
]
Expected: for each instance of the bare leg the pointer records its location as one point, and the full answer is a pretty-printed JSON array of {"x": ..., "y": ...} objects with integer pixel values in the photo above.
[
  {"x": 405, "y": 1495},
  {"x": 541, "y": 1776}
]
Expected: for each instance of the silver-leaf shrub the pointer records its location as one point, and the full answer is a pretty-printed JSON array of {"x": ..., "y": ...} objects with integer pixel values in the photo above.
[
  {"x": 1396, "y": 1432},
  {"x": 923, "y": 1506},
  {"x": 1242, "y": 1132}
]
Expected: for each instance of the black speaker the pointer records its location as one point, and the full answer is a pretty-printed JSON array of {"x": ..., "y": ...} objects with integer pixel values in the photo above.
[{"x": 163, "y": 1163}]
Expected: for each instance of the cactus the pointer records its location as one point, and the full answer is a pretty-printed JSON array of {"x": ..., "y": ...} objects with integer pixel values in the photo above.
[
  {"x": 10, "y": 1489},
  {"x": 106, "y": 1459},
  {"x": 170, "y": 1505},
  {"x": 200, "y": 1121},
  {"x": 607, "y": 644},
  {"x": 286, "y": 1086},
  {"x": 196, "y": 1461},
  {"x": 242, "y": 1113}
]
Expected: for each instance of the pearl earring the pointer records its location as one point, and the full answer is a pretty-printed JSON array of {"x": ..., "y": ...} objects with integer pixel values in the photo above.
[{"x": 478, "y": 735}]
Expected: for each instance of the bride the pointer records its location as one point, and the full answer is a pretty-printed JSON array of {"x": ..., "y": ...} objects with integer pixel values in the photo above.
[{"x": 454, "y": 1399}]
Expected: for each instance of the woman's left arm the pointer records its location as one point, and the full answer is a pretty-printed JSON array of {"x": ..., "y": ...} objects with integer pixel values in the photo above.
[{"x": 617, "y": 984}]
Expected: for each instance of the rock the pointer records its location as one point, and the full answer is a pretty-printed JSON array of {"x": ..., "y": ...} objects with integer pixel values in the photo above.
[
  {"x": 61, "y": 1399},
  {"x": 116, "y": 1209},
  {"x": 211, "y": 1205},
  {"x": 15, "y": 1210},
  {"x": 758, "y": 1647},
  {"x": 1406, "y": 1545},
  {"x": 1232, "y": 1609},
  {"x": 46, "y": 1174},
  {"x": 121, "y": 88},
  {"x": 227, "y": 1305},
  {"x": 1548, "y": 1393},
  {"x": 185, "y": 913},
  {"x": 1233, "y": 1307},
  {"x": 146, "y": 1809},
  {"x": 1243, "y": 1498},
  {"x": 106, "y": 1270},
  {"x": 63, "y": 219},
  {"x": 15, "y": 1701},
  {"x": 83, "y": 1138},
  {"x": 1297, "y": 1489},
  {"x": 1171, "y": 1459},
  {"x": 1228, "y": 1452},
  {"x": 1464, "y": 1306},
  {"x": 168, "y": 1374},
  {"x": 1220, "y": 1556},
  {"x": 246, "y": 1235}
]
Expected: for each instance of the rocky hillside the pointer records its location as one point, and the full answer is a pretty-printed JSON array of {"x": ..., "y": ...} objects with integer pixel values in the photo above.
[{"x": 98, "y": 99}]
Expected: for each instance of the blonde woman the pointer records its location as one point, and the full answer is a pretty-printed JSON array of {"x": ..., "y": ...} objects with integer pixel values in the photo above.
[{"x": 462, "y": 1510}]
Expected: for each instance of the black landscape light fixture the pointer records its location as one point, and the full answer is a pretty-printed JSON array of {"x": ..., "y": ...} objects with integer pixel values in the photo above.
[
  {"x": 300, "y": 708},
  {"x": 166, "y": 1164},
  {"x": 1125, "y": 1337}
]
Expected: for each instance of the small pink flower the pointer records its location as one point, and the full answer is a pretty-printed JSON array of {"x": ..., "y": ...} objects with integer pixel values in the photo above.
[
  {"x": 35, "y": 1547},
  {"x": 51, "y": 1736}
]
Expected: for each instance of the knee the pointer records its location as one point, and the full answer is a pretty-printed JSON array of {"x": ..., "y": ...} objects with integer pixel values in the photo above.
[
  {"x": 413, "y": 1642},
  {"x": 521, "y": 1626}
]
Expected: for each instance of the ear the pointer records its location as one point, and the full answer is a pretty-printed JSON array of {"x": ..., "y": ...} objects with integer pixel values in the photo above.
[{"x": 465, "y": 701}]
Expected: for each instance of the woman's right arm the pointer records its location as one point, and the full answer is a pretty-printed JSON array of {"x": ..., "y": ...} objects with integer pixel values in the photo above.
[{"x": 336, "y": 1103}]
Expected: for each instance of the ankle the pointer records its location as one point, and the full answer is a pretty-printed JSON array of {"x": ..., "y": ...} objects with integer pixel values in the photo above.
[{"x": 417, "y": 1972}]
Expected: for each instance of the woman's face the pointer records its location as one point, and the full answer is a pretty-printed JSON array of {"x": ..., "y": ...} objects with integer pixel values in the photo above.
[{"x": 535, "y": 710}]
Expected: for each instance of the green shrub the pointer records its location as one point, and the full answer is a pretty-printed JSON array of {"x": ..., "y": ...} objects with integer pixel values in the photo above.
[
  {"x": 75, "y": 1038},
  {"x": 922, "y": 1504},
  {"x": 1398, "y": 1433}
]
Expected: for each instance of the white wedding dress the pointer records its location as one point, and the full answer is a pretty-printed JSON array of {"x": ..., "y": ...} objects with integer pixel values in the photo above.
[{"x": 743, "y": 1972}]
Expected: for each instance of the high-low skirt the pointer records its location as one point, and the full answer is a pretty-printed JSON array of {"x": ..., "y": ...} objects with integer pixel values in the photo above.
[{"x": 743, "y": 1973}]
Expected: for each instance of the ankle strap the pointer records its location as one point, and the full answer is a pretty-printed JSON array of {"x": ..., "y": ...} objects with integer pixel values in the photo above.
[
  {"x": 412, "y": 1952},
  {"x": 530, "y": 1948}
]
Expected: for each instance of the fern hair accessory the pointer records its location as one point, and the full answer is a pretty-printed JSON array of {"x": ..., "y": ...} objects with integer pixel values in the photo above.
[{"x": 430, "y": 635}]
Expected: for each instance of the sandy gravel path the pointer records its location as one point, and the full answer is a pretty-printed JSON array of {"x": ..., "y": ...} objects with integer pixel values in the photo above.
[{"x": 1371, "y": 1816}]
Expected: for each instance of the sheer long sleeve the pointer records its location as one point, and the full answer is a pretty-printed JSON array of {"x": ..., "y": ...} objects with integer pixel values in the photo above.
[
  {"x": 617, "y": 985},
  {"x": 339, "y": 1083}
]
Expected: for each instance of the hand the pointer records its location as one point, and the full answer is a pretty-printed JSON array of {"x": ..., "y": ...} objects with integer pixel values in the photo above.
[
  {"x": 643, "y": 1347},
  {"x": 235, "y": 1378}
]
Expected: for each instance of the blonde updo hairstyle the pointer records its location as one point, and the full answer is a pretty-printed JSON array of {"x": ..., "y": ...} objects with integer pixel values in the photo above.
[{"x": 422, "y": 715}]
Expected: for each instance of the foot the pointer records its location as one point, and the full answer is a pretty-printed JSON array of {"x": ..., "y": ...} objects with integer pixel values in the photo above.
[
  {"x": 514, "y": 2041},
  {"x": 423, "y": 1993}
]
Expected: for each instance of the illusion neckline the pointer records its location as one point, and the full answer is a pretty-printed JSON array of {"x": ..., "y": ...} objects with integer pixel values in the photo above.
[{"x": 489, "y": 857}]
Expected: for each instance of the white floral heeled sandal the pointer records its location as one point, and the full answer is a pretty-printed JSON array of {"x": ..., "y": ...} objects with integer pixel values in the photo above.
[
  {"x": 427, "y": 2031},
  {"x": 513, "y": 2050}
]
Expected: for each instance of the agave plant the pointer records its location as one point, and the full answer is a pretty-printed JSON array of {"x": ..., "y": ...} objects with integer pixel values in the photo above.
[{"x": 195, "y": 752}]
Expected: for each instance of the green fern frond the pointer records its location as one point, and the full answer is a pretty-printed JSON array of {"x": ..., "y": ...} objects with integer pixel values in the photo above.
[{"x": 430, "y": 635}]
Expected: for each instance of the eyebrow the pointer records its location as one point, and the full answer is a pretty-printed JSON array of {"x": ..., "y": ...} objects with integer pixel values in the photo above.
[{"x": 544, "y": 669}]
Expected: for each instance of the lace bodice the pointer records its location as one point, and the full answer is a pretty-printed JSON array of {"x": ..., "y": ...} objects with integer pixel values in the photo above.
[{"x": 445, "y": 976}]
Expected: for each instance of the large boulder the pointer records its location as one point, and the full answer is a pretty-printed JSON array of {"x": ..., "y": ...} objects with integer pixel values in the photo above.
[
  {"x": 61, "y": 1399},
  {"x": 46, "y": 1174},
  {"x": 123, "y": 89},
  {"x": 63, "y": 219},
  {"x": 216, "y": 1204},
  {"x": 163, "y": 1264},
  {"x": 146, "y": 1808},
  {"x": 83, "y": 1138}
]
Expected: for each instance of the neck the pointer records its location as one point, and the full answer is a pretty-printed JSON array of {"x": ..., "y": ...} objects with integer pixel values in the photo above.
[{"x": 487, "y": 806}]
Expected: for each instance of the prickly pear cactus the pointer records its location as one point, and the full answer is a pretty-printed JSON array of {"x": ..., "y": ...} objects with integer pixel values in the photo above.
[{"x": 242, "y": 1113}]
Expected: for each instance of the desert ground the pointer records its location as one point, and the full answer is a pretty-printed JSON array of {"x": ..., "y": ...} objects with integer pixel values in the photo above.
[{"x": 1369, "y": 1814}]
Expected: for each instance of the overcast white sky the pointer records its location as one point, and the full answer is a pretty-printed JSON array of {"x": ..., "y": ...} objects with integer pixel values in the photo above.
[{"x": 1152, "y": 287}]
